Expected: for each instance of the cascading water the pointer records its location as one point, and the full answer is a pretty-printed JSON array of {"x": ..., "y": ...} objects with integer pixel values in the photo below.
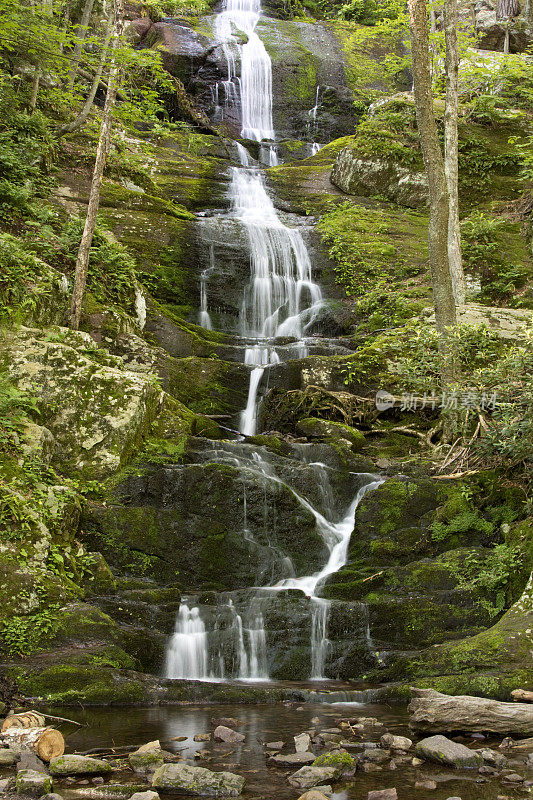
[
  {"x": 280, "y": 300},
  {"x": 187, "y": 655}
]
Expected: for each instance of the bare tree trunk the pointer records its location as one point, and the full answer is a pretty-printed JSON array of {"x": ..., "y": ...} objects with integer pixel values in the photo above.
[
  {"x": 35, "y": 89},
  {"x": 451, "y": 150},
  {"x": 82, "y": 261},
  {"x": 47, "y": 6},
  {"x": 84, "y": 113},
  {"x": 65, "y": 24},
  {"x": 506, "y": 38},
  {"x": 443, "y": 299},
  {"x": 82, "y": 31}
]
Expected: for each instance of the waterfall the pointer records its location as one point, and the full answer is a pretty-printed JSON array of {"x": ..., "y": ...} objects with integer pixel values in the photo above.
[
  {"x": 140, "y": 307},
  {"x": 204, "y": 318},
  {"x": 319, "y": 640},
  {"x": 187, "y": 655},
  {"x": 280, "y": 299}
]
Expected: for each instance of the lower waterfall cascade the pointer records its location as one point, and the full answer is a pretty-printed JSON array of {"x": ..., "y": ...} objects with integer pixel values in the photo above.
[{"x": 280, "y": 300}]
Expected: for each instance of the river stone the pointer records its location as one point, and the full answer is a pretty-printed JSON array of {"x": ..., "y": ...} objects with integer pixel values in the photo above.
[
  {"x": 227, "y": 722},
  {"x": 383, "y": 794},
  {"x": 202, "y": 737},
  {"x": 224, "y": 734},
  {"x": 392, "y": 742},
  {"x": 307, "y": 777},
  {"x": 78, "y": 765},
  {"x": 33, "y": 783},
  {"x": 444, "y": 751},
  {"x": 292, "y": 759},
  {"x": 149, "y": 746},
  {"x": 313, "y": 794},
  {"x": 430, "y": 785},
  {"x": 302, "y": 743},
  {"x": 197, "y": 781},
  {"x": 146, "y": 762},
  {"x": 148, "y": 795},
  {"x": 7, "y": 757},
  {"x": 110, "y": 791},
  {"x": 52, "y": 796},
  {"x": 274, "y": 745}
]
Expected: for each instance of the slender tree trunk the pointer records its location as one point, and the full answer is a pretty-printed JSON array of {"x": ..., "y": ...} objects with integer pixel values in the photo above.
[
  {"x": 35, "y": 89},
  {"x": 443, "y": 299},
  {"x": 451, "y": 150},
  {"x": 65, "y": 23},
  {"x": 82, "y": 31},
  {"x": 47, "y": 6},
  {"x": 506, "y": 38},
  {"x": 84, "y": 113},
  {"x": 82, "y": 261}
]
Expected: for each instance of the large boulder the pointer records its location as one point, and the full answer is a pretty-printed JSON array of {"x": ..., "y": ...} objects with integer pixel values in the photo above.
[
  {"x": 79, "y": 765},
  {"x": 96, "y": 410},
  {"x": 378, "y": 177},
  {"x": 445, "y": 751},
  {"x": 430, "y": 710},
  {"x": 197, "y": 781}
]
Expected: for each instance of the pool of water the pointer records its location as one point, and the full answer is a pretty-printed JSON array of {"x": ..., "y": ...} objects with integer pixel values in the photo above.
[{"x": 264, "y": 723}]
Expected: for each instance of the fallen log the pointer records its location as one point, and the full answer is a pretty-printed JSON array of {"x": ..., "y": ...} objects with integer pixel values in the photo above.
[
  {"x": 522, "y": 694},
  {"x": 435, "y": 712},
  {"x": 47, "y": 743},
  {"x": 28, "y": 719}
]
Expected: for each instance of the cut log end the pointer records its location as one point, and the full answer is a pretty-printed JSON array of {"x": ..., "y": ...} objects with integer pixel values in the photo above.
[{"x": 47, "y": 743}]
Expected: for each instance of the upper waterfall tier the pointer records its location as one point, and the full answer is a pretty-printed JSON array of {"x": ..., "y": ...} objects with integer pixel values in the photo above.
[{"x": 255, "y": 83}]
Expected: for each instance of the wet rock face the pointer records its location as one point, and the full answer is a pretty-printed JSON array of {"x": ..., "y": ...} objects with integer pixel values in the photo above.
[
  {"x": 304, "y": 57},
  {"x": 190, "y": 519}
]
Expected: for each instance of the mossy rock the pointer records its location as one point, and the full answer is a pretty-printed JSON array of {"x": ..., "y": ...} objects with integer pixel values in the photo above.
[
  {"x": 327, "y": 430},
  {"x": 65, "y": 684},
  {"x": 186, "y": 523}
]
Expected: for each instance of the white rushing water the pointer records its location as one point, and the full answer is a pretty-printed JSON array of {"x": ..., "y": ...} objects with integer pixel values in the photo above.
[
  {"x": 280, "y": 300},
  {"x": 187, "y": 655}
]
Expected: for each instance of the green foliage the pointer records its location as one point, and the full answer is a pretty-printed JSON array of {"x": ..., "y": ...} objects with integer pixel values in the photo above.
[
  {"x": 486, "y": 257},
  {"x": 491, "y": 89},
  {"x": 24, "y": 635},
  {"x": 490, "y": 575},
  {"x": 368, "y": 264},
  {"x": 111, "y": 275},
  {"x": 390, "y": 132},
  {"x": 26, "y": 149}
]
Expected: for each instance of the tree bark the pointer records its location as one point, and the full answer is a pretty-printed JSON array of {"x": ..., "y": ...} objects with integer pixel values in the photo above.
[
  {"x": 28, "y": 719},
  {"x": 47, "y": 743},
  {"x": 82, "y": 31},
  {"x": 443, "y": 299},
  {"x": 451, "y": 150},
  {"x": 82, "y": 261},
  {"x": 81, "y": 119}
]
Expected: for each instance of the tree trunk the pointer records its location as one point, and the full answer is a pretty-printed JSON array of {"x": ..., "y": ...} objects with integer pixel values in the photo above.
[
  {"x": 82, "y": 31},
  {"x": 82, "y": 261},
  {"x": 84, "y": 113},
  {"x": 451, "y": 150},
  {"x": 47, "y": 743},
  {"x": 29, "y": 719},
  {"x": 443, "y": 299}
]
